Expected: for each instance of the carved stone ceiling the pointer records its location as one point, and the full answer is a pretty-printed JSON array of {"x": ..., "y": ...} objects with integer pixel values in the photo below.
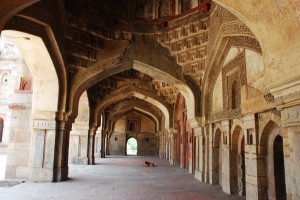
[{"x": 136, "y": 79}]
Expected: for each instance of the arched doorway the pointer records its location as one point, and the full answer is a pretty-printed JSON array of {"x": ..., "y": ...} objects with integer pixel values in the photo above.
[
  {"x": 279, "y": 170},
  {"x": 33, "y": 86},
  {"x": 238, "y": 172},
  {"x": 131, "y": 147}
]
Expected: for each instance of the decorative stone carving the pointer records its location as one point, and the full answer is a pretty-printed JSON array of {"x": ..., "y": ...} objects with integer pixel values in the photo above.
[
  {"x": 164, "y": 8},
  {"x": 43, "y": 124},
  {"x": 269, "y": 98},
  {"x": 233, "y": 73}
]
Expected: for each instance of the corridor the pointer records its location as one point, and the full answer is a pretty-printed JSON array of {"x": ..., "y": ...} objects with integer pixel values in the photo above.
[{"x": 120, "y": 178}]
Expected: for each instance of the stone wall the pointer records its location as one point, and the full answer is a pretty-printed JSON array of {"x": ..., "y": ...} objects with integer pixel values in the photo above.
[{"x": 144, "y": 134}]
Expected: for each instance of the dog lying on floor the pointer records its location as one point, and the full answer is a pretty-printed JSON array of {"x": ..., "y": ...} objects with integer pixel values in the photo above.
[{"x": 148, "y": 164}]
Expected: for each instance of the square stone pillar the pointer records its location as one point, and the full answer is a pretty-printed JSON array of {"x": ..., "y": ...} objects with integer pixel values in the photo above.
[
  {"x": 211, "y": 151},
  {"x": 291, "y": 144},
  {"x": 206, "y": 152},
  {"x": 79, "y": 143},
  {"x": 200, "y": 154},
  {"x": 41, "y": 156},
  {"x": 254, "y": 163},
  {"x": 91, "y": 146},
  {"x": 227, "y": 166},
  {"x": 98, "y": 143},
  {"x": 172, "y": 149}
]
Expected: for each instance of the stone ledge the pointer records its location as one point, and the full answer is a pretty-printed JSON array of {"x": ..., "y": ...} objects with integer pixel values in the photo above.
[{"x": 10, "y": 182}]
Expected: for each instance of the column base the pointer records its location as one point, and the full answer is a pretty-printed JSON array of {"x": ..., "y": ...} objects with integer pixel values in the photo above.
[
  {"x": 80, "y": 161},
  {"x": 91, "y": 160},
  {"x": 41, "y": 174},
  {"x": 199, "y": 176},
  {"x": 60, "y": 174}
]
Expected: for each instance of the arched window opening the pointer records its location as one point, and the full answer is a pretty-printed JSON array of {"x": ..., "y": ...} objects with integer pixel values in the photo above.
[
  {"x": 131, "y": 147},
  {"x": 279, "y": 170},
  {"x": 132, "y": 126}
]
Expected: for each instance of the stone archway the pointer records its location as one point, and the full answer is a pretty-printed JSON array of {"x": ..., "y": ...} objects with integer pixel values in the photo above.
[
  {"x": 131, "y": 147},
  {"x": 39, "y": 142},
  {"x": 273, "y": 173},
  {"x": 140, "y": 94},
  {"x": 237, "y": 162},
  {"x": 139, "y": 110}
]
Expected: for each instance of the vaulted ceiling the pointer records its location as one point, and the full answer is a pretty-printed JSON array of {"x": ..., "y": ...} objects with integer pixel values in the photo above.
[{"x": 154, "y": 50}]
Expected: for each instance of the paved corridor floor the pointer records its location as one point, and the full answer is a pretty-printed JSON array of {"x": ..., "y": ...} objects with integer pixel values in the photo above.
[{"x": 120, "y": 178}]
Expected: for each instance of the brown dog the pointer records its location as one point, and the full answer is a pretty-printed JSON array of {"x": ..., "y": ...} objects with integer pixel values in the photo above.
[{"x": 148, "y": 164}]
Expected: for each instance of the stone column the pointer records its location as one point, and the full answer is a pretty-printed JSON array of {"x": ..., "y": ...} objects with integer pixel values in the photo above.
[
  {"x": 91, "y": 146},
  {"x": 227, "y": 165},
  {"x": 172, "y": 149},
  {"x": 212, "y": 151},
  {"x": 292, "y": 163},
  {"x": 161, "y": 144},
  {"x": 253, "y": 161},
  {"x": 291, "y": 144},
  {"x": 206, "y": 154},
  {"x": 78, "y": 143},
  {"x": 61, "y": 149},
  {"x": 41, "y": 153},
  {"x": 107, "y": 144},
  {"x": 102, "y": 151},
  {"x": 98, "y": 140},
  {"x": 199, "y": 171}
]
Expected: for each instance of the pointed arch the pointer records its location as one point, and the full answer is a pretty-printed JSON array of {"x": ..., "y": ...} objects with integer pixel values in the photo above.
[
  {"x": 37, "y": 28},
  {"x": 139, "y": 110},
  {"x": 118, "y": 95}
]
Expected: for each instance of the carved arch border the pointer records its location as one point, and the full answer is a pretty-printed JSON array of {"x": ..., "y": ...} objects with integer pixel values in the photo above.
[
  {"x": 212, "y": 74},
  {"x": 267, "y": 124}
]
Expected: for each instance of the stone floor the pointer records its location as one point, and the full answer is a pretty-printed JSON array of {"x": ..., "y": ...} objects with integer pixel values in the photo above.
[{"x": 121, "y": 178}]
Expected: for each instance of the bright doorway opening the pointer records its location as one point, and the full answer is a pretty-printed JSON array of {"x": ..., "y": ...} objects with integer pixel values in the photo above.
[{"x": 131, "y": 147}]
